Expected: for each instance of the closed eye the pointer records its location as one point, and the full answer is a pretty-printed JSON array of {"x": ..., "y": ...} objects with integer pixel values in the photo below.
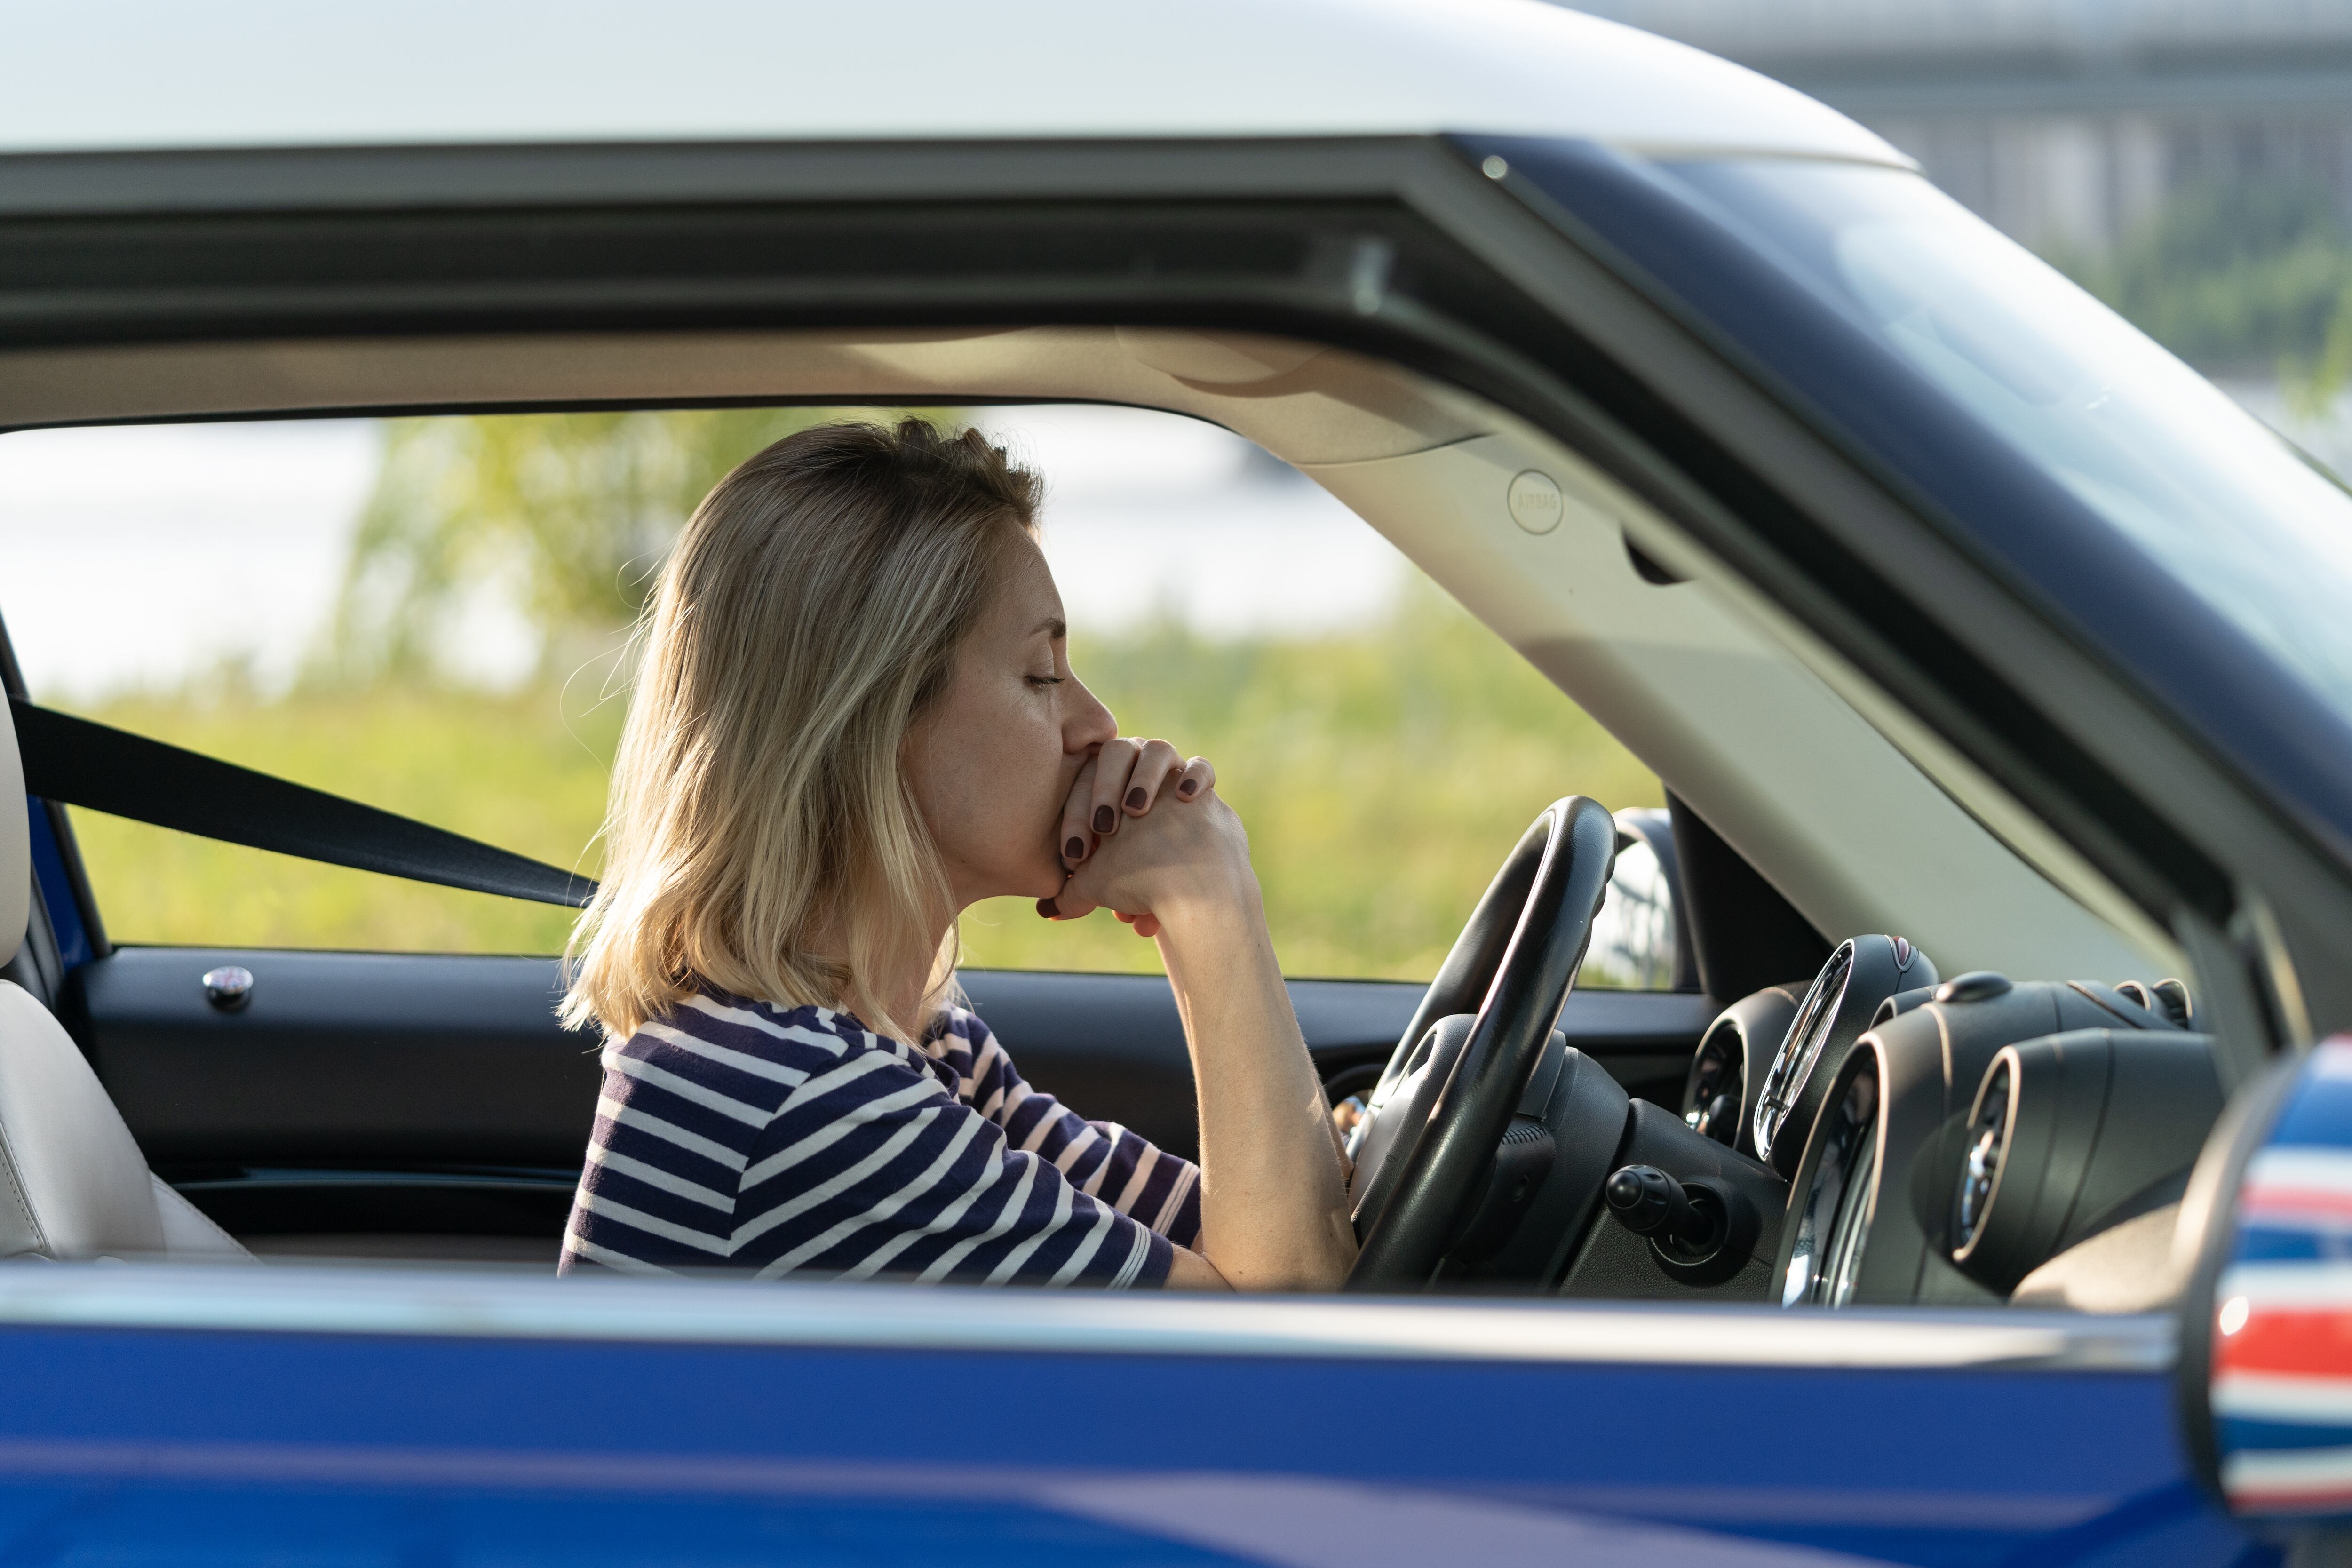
[{"x": 1045, "y": 680}]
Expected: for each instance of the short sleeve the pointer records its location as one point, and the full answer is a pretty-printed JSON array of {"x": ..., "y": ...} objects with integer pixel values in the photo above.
[
  {"x": 1102, "y": 1159},
  {"x": 874, "y": 1169}
]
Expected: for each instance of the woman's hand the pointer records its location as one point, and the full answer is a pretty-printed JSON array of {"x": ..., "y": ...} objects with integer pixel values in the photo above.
[
  {"x": 1145, "y": 833},
  {"x": 1139, "y": 862}
]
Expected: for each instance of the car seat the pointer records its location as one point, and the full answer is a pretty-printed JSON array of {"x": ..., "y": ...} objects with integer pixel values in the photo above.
[{"x": 72, "y": 1181}]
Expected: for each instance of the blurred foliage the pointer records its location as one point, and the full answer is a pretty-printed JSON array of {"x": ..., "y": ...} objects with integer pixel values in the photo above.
[
  {"x": 1383, "y": 774},
  {"x": 2240, "y": 275},
  {"x": 566, "y": 514}
]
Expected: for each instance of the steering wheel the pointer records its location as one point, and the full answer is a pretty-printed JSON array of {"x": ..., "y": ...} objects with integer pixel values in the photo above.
[{"x": 1434, "y": 1122}]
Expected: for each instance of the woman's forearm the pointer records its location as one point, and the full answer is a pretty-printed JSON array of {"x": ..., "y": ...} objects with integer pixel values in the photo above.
[{"x": 1274, "y": 1207}]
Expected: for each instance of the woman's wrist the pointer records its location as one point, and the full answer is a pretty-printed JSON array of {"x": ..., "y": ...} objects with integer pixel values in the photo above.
[{"x": 1209, "y": 899}]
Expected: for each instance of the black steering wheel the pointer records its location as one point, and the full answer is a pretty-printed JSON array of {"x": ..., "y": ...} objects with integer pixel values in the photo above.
[{"x": 1434, "y": 1122}]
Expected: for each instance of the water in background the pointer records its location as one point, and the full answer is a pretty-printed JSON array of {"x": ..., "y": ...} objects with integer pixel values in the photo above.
[
  {"x": 142, "y": 557},
  {"x": 138, "y": 555}
]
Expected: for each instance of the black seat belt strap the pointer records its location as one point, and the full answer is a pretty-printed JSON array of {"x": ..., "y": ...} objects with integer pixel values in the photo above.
[{"x": 82, "y": 762}]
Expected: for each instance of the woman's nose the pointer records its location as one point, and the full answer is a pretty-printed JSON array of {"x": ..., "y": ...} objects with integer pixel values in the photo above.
[{"x": 1089, "y": 723}]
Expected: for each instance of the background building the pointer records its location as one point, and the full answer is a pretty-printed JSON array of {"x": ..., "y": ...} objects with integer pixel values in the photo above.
[{"x": 2067, "y": 123}]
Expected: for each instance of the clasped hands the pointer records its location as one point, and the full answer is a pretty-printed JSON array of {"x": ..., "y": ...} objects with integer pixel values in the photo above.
[{"x": 1117, "y": 853}]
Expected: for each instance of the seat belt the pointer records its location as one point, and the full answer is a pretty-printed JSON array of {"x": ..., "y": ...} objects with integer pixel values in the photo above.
[{"x": 80, "y": 763}]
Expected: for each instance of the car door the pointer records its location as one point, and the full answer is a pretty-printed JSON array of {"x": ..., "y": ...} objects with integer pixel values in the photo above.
[
  {"x": 381, "y": 1403},
  {"x": 454, "y": 1417}
]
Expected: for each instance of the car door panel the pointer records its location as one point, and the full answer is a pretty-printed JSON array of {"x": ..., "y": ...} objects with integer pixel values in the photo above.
[
  {"x": 353, "y": 1097},
  {"x": 367, "y": 1093},
  {"x": 339, "y": 1059},
  {"x": 607, "y": 1420}
]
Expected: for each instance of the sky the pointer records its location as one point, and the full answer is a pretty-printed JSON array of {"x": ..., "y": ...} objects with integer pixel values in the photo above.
[{"x": 142, "y": 556}]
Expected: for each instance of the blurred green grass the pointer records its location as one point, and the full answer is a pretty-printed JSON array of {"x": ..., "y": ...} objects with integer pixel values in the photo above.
[{"x": 1382, "y": 772}]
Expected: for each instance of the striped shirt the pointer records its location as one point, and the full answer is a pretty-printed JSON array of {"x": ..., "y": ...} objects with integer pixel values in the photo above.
[{"x": 733, "y": 1134}]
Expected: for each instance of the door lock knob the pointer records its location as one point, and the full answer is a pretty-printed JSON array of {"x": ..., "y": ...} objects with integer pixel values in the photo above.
[{"x": 229, "y": 987}]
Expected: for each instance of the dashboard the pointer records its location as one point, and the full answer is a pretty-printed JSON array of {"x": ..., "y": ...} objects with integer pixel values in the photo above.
[{"x": 1914, "y": 1139}]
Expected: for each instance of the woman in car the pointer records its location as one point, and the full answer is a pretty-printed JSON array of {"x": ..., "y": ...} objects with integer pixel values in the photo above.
[{"x": 853, "y": 718}]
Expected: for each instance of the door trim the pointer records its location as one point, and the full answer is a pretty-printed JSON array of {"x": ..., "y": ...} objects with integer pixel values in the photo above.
[{"x": 291, "y": 1298}]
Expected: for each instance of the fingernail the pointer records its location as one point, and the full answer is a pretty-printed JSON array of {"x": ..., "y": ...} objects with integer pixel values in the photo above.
[
  {"x": 1187, "y": 788},
  {"x": 1104, "y": 820},
  {"x": 1048, "y": 911},
  {"x": 1135, "y": 797},
  {"x": 1076, "y": 850}
]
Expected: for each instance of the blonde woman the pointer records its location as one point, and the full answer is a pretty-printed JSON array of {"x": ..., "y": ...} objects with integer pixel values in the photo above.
[{"x": 855, "y": 717}]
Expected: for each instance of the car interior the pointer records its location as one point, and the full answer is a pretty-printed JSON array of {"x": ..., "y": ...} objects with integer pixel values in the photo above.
[{"x": 1899, "y": 1042}]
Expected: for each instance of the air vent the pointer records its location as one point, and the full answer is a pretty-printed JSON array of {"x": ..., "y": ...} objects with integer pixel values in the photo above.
[
  {"x": 1988, "y": 1124},
  {"x": 1714, "y": 1094},
  {"x": 2071, "y": 1133},
  {"x": 1816, "y": 1016}
]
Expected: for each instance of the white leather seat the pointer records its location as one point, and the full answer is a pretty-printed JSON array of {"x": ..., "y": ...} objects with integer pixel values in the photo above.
[{"x": 72, "y": 1181}]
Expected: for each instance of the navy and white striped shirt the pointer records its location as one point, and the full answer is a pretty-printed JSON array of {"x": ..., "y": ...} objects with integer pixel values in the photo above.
[{"x": 734, "y": 1133}]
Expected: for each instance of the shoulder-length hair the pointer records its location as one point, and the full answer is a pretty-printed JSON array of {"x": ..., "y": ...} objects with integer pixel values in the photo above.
[{"x": 761, "y": 836}]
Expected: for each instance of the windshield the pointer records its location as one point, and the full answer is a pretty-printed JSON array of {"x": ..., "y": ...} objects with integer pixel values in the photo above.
[{"x": 2232, "y": 511}]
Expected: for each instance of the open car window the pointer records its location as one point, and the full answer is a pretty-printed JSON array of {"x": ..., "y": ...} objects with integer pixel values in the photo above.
[{"x": 430, "y": 616}]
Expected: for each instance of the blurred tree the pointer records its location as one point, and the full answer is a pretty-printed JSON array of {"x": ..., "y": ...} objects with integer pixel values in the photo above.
[
  {"x": 2236, "y": 275},
  {"x": 565, "y": 515}
]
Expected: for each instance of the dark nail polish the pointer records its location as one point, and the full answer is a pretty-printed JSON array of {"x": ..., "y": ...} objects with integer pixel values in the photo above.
[
  {"x": 1076, "y": 850},
  {"x": 1047, "y": 910},
  {"x": 1135, "y": 797},
  {"x": 1104, "y": 819},
  {"x": 1186, "y": 788}
]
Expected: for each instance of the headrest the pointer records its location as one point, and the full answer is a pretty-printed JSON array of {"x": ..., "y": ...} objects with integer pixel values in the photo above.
[{"x": 16, "y": 847}]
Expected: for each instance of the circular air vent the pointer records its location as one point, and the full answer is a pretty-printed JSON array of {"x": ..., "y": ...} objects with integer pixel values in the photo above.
[
  {"x": 1833, "y": 1223},
  {"x": 1784, "y": 1082},
  {"x": 1989, "y": 1120},
  {"x": 1711, "y": 1099}
]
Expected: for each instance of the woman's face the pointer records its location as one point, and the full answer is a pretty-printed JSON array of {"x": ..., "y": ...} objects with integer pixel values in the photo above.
[{"x": 994, "y": 759}]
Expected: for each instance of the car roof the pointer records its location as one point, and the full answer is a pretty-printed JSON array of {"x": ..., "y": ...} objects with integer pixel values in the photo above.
[{"x": 115, "y": 75}]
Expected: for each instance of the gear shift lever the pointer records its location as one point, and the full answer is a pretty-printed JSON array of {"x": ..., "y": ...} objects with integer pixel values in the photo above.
[{"x": 1686, "y": 1222}]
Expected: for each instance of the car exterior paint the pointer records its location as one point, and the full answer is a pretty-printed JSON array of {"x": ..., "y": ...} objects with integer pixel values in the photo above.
[
  {"x": 723, "y": 70},
  {"x": 334, "y": 1411}
]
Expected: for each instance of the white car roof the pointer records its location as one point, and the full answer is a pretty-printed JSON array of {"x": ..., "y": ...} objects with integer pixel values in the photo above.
[{"x": 163, "y": 74}]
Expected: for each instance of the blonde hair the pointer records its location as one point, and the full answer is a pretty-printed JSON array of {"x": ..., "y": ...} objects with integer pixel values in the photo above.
[{"x": 809, "y": 613}]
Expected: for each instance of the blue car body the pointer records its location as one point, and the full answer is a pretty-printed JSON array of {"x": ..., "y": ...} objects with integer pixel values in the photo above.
[
  {"x": 183, "y": 1413},
  {"x": 472, "y": 1420}
]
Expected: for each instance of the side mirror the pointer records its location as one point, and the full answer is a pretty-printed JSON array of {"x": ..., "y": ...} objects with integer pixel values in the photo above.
[
  {"x": 1640, "y": 936},
  {"x": 2266, "y": 1331}
]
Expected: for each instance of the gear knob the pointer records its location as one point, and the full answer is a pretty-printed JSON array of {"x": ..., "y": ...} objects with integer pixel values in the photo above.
[
  {"x": 1688, "y": 1221},
  {"x": 1648, "y": 1202}
]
